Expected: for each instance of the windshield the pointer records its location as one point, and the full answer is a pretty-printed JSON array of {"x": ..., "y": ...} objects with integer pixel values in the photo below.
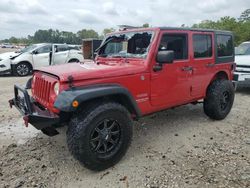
[
  {"x": 243, "y": 49},
  {"x": 131, "y": 44},
  {"x": 28, "y": 48}
]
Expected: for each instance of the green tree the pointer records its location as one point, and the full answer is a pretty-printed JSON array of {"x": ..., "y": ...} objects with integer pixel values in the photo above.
[
  {"x": 146, "y": 25},
  {"x": 87, "y": 33},
  {"x": 245, "y": 16},
  {"x": 108, "y": 30},
  {"x": 13, "y": 40}
]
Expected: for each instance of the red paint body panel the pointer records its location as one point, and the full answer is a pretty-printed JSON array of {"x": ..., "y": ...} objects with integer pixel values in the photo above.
[{"x": 153, "y": 91}]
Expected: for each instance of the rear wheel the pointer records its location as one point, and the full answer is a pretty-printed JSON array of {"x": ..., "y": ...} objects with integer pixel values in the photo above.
[
  {"x": 101, "y": 136},
  {"x": 219, "y": 99},
  {"x": 74, "y": 61},
  {"x": 22, "y": 69}
]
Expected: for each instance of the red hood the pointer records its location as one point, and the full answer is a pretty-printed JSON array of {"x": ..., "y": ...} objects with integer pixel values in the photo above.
[{"x": 91, "y": 70}]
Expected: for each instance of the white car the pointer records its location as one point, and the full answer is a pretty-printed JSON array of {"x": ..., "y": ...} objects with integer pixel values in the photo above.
[
  {"x": 38, "y": 55},
  {"x": 7, "y": 45},
  {"x": 242, "y": 60}
]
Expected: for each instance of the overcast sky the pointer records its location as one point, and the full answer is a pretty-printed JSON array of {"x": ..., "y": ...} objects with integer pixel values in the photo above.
[{"x": 20, "y": 18}]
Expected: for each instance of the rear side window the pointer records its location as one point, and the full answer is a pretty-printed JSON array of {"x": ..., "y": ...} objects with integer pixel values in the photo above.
[
  {"x": 224, "y": 45},
  {"x": 177, "y": 43},
  {"x": 202, "y": 45},
  {"x": 61, "y": 48}
]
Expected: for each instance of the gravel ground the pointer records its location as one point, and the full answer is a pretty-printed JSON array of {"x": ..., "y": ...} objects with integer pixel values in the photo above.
[{"x": 179, "y": 147}]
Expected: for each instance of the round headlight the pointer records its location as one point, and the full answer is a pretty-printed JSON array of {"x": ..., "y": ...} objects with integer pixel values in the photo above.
[{"x": 56, "y": 88}]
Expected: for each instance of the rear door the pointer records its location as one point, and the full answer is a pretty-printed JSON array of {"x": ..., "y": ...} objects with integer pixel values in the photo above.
[
  {"x": 203, "y": 62},
  {"x": 170, "y": 86}
]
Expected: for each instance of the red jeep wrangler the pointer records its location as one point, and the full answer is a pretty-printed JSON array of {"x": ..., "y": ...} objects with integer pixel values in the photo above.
[{"x": 136, "y": 72}]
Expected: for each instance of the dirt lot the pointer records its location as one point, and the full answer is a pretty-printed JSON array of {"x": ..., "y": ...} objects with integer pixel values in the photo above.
[
  {"x": 2, "y": 50},
  {"x": 176, "y": 148}
]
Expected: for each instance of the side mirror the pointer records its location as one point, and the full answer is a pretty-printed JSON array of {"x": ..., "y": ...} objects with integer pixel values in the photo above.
[
  {"x": 35, "y": 52},
  {"x": 165, "y": 57}
]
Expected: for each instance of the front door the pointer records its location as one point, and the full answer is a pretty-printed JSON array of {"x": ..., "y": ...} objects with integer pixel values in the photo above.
[
  {"x": 171, "y": 85},
  {"x": 60, "y": 54},
  {"x": 41, "y": 56}
]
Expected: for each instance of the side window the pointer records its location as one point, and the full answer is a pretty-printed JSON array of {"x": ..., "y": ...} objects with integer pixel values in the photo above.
[
  {"x": 202, "y": 44},
  {"x": 177, "y": 43},
  {"x": 61, "y": 48},
  {"x": 74, "y": 47},
  {"x": 248, "y": 51},
  {"x": 44, "y": 49},
  {"x": 224, "y": 45}
]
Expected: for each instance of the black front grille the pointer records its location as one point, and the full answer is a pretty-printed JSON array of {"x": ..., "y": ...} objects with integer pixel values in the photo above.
[{"x": 243, "y": 66}]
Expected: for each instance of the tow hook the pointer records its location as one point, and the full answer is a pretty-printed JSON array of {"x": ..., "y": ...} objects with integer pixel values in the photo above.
[{"x": 26, "y": 120}]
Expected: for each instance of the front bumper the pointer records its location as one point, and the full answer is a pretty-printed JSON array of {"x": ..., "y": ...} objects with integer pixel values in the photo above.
[
  {"x": 5, "y": 66},
  {"x": 242, "y": 78},
  {"x": 3, "y": 72},
  {"x": 33, "y": 113}
]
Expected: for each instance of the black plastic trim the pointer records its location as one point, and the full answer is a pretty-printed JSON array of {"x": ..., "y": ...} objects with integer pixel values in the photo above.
[
  {"x": 235, "y": 77},
  {"x": 242, "y": 66},
  {"x": 65, "y": 98},
  {"x": 29, "y": 83},
  {"x": 5, "y": 72},
  {"x": 40, "y": 119}
]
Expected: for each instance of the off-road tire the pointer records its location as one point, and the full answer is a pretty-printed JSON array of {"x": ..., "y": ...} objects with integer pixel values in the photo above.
[
  {"x": 22, "y": 69},
  {"x": 219, "y": 99},
  {"x": 85, "y": 122}
]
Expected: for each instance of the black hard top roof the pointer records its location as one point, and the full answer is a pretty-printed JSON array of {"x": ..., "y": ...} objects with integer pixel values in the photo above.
[{"x": 194, "y": 29}]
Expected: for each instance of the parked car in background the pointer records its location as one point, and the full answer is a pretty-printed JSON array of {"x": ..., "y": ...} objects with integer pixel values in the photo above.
[
  {"x": 23, "y": 62},
  {"x": 7, "y": 45},
  {"x": 242, "y": 60}
]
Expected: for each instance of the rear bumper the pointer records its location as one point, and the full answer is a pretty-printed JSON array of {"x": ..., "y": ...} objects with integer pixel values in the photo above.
[{"x": 34, "y": 114}]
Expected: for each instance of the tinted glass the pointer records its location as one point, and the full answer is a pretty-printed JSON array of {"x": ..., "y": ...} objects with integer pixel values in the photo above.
[
  {"x": 202, "y": 45},
  {"x": 177, "y": 43},
  {"x": 224, "y": 45}
]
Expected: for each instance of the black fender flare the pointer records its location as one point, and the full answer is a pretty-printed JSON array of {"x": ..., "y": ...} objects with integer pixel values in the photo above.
[{"x": 65, "y": 99}]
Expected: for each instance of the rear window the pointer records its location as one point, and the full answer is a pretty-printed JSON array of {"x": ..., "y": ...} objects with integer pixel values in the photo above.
[
  {"x": 224, "y": 45},
  {"x": 202, "y": 44}
]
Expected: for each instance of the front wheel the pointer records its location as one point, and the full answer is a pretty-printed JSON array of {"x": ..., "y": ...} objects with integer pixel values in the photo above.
[
  {"x": 22, "y": 69},
  {"x": 100, "y": 137},
  {"x": 219, "y": 99}
]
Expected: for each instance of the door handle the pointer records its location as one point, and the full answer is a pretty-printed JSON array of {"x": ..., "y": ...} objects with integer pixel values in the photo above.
[
  {"x": 187, "y": 68},
  {"x": 210, "y": 65}
]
